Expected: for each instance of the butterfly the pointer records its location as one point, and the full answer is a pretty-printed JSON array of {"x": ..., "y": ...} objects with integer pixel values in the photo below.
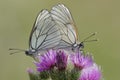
[{"x": 54, "y": 29}]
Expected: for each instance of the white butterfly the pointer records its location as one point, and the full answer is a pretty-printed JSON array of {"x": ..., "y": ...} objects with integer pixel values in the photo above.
[{"x": 53, "y": 30}]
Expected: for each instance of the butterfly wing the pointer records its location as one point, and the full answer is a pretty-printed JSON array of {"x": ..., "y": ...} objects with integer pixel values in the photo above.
[
  {"x": 63, "y": 18},
  {"x": 45, "y": 33}
]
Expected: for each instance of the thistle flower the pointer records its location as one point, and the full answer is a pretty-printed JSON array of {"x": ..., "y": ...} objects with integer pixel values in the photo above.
[
  {"x": 81, "y": 61},
  {"x": 53, "y": 66},
  {"x": 61, "y": 60},
  {"x": 90, "y": 73},
  {"x": 46, "y": 61}
]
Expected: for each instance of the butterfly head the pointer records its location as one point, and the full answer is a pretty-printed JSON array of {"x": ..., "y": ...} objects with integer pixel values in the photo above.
[
  {"x": 77, "y": 46},
  {"x": 30, "y": 52},
  {"x": 81, "y": 45}
]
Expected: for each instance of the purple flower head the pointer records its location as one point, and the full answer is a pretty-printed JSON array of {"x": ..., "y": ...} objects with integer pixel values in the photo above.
[
  {"x": 61, "y": 60},
  {"x": 90, "y": 73},
  {"x": 81, "y": 61},
  {"x": 46, "y": 61}
]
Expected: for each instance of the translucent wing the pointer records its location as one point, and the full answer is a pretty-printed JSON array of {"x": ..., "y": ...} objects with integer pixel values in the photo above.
[
  {"x": 63, "y": 18},
  {"x": 45, "y": 33}
]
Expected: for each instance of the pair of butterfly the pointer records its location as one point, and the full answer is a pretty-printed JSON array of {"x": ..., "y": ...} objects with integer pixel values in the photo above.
[{"x": 54, "y": 30}]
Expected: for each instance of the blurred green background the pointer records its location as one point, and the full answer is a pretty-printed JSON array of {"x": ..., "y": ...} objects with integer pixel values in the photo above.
[{"x": 102, "y": 16}]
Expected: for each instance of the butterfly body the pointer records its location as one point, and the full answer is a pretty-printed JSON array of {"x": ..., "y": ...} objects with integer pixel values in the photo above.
[{"x": 74, "y": 48}]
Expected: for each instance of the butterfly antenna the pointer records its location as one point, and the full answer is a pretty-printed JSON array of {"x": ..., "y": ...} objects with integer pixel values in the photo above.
[
  {"x": 16, "y": 50},
  {"x": 91, "y": 40},
  {"x": 86, "y": 39}
]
